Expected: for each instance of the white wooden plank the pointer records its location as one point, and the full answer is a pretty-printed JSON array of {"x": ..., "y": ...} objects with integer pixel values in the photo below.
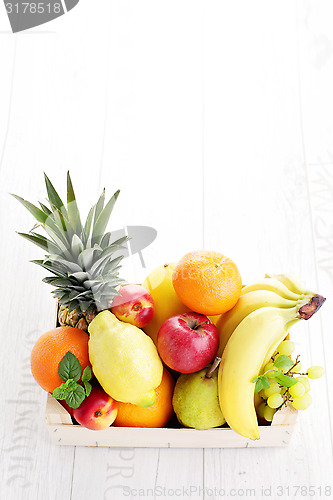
[
  {"x": 252, "y": 130},
  {"x": 152, "y": 145},
  {"x": 8, "y": 51},
  {"x": 113, "y": 472},
  {"x": 5, "y": 28},
  {"x": 257, "y": 207},
  {"x": 321, "y": 196},
  {"x": 316, "y": 76}
]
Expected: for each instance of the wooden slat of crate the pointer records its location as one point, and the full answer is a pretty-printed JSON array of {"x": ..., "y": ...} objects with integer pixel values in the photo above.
[{"x": 63, "y": 432}]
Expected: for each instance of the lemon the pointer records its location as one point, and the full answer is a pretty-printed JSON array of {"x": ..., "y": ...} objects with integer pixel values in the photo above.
[
  {"x": 167, "y": 304},
  {"x": 124, "y": 360}
]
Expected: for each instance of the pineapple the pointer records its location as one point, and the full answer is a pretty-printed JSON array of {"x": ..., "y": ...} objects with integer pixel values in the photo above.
[{"x": 83, "y": 261}]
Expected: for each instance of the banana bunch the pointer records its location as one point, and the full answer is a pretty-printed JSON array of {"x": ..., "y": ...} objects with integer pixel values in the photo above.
[{"x": 249, "y": 334}]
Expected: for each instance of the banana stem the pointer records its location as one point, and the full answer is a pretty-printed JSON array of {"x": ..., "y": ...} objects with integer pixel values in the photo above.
[
  {"x": 308, "y": 309},
  {"x": 211, "y": 370}
]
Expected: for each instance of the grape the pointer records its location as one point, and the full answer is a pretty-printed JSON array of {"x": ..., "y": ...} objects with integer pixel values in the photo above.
[
  {"x": 286, "y": 347},
  {"x": 315, "y": 372},
  {"x": 261, "y": 410},
  {"x": 275, "y": 400},
  {"x": 273, "y": 388},
  {"x": 270, "y": 366},
  {"x": 302, "y": 403},
  {"x": 269, "y": 413},
  {"x": 297, "y": 390},
  {"x": 305, "y": 382},
  {"x": 262, "y": 394}
]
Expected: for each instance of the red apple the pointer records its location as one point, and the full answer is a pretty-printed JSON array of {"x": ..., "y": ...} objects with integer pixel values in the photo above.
[
  {"x": 188, "y": 342},
  {"x": 134, "y": 305},
  {"x": 97, "y": 411}
]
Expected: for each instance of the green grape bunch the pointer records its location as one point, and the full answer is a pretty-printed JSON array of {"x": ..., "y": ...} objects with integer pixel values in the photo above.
[{"x": 282, "y": 382}]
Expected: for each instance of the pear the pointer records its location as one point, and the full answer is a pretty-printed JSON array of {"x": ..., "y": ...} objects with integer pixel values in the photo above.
[
  {"x": 124, "y": 360},
  {"x": 195, "y": 400}
]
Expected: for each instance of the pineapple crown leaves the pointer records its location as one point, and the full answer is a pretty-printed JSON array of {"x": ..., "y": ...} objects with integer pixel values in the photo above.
[
  {"x": 63, "y": 224},
  {"x": 79, "y": 256}
]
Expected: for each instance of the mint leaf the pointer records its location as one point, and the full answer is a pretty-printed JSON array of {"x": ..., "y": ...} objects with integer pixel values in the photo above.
[
  {"x": 86, "y": 375},
  {"x": 70, "y": 384},
  {"x": 261, "y": 381},
  {"x": 264, "y": 381},
  {"x": 88, "y": 387},
  {"x": 75, "y": 396},
  {"x": 60, "y": 392},
  {"x": 69, "y": 371},
  {"x": 285, "y": 380},
  {"x": 258, "y": 385},
  {"x": 69, "y": 367},
  {"x": 283, "y": 361},
  {"x": 65, "y": 389}
]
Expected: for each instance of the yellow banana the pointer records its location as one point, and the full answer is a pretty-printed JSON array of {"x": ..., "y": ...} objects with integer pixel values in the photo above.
[
  {"x": 246, "y": 304},
  {"x": 292, "y": 282},
  {"x": 252, "y": 342},
  {"x": 241, "y": 362},
  {"x": 273, "y": 285},
  {"x": 274, "y": 345}
]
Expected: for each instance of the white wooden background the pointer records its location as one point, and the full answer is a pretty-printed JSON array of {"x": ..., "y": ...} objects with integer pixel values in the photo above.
[{"x": 215, "y": 119}]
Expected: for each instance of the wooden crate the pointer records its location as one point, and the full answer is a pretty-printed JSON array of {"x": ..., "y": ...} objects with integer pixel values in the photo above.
[{"x": 64, "y": 432}]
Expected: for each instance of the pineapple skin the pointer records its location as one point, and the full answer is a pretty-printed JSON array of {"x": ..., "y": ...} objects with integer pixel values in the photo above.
[{"x": 75, "y": 318}]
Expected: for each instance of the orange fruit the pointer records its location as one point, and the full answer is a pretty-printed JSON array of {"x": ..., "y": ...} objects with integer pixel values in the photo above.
[
  {"x": 157, "y": 415},
  {"x": 207, "y": 282},
  {"x": 49, "y": 350}
]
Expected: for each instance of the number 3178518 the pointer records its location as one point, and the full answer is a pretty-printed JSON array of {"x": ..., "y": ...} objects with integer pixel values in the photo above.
[{"x": 33, "y": 8}]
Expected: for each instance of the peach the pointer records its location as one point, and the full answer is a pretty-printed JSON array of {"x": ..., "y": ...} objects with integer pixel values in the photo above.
[
  {"x": 134, "y": 305},
  {"x": 97, "y": 411}
]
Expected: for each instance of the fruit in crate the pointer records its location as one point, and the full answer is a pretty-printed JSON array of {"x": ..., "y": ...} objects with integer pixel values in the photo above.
[
  {"x": 84, "y": 263},
  {"x": 157, "y": 415},
  {"x": 133, "y": 305},
  {"x": 98, "y": 411},
  {"x": 82, "y": 258},
  {"x": 257, "y": 334},
  {"x": 187, "y": 342},
  {"x": 247, "y": 303},
  {"x": 274, "y": 285},
  {"x": 315, "y": 372},
  {"x": 167, "y": 304},
  {"x": 207, "y": 282},
  {"x": 281, "y": 382},
  {"x": 124, "y": 360},
  {"x": 291, "y": 281},
  {"x": 50, "y": 349},
  {"x": 195, "y": 399}
]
